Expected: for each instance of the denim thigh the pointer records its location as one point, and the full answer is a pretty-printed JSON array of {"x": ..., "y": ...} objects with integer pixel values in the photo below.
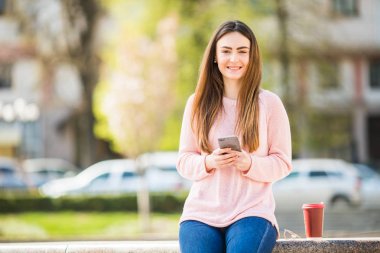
[
  {"x": 198, "y": 237},
  {"x": 251, "y": 234}
]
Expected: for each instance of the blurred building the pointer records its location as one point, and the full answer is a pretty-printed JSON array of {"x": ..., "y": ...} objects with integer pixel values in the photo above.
[
  {"x": 333, "y": 50},
  {"x": 34, "y": 105},
  {"x": 331, "y": 55}
]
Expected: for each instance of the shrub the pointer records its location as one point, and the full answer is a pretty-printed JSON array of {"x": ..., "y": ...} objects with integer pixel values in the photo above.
[{"x": 165, "y": 203}]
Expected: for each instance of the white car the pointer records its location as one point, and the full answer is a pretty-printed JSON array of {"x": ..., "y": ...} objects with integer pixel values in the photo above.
[
  {"x": 102, "y": 178},
  {"x": 332, "y": 181},
  {"x": 161, "y": 172},
  {"x": 370, "y": 186},
  {"x": 41, "y": 170},
  {"x": 11, "y": 175},
  {"x": 158, "y": 171}
]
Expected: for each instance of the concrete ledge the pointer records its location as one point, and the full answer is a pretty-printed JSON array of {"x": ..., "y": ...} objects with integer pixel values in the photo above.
[
  {"x": 338, "y": 245},
  {"x": 346, "y": 245}
]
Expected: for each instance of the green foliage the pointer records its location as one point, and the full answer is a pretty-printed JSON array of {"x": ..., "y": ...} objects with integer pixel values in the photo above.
[
  {"x": 163, "y": 202},
  {"x": 168, "y": 203},
  {"x": 100, "y": 128},
  {"x": 135, "y": 19},
  {"x": 130, "y": 102},
  {"x": 334, "y": 139},
  {"x": 68, "y": 225},
  {"x": 170, "y": 138}
]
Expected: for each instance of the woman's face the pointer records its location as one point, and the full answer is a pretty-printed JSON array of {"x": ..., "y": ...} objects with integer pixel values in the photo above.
[{"x": 232, "y": 56}]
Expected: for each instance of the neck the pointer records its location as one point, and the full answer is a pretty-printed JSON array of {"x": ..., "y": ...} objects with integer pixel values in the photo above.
[{"x": 231, "y": 88}]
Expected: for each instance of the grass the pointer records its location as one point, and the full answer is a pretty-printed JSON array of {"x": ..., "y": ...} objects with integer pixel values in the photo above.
[{"x": 37, "y": 226}]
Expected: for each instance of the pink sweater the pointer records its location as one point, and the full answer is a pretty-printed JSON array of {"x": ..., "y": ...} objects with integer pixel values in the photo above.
[{"x": 221, "y": 197}]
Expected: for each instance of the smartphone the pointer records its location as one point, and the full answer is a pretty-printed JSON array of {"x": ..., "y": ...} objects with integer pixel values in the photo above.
[{"x": 230, "y": 142}]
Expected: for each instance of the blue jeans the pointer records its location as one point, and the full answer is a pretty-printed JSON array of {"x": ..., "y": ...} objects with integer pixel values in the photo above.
[{"x": 251, "y": 234}]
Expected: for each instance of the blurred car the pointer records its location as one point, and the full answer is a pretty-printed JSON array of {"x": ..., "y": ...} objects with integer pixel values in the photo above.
[
  {"x": 370, "y": 186},
  {"x": 332, "y": 181},
  {"x": 11, "y": 175},
  {"x": 107, "y": 177},
  {"x": 41, "y": 170},
  {"x": 161, "y": 173}
]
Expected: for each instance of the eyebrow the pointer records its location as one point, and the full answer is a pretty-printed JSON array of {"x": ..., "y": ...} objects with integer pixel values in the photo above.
[{"x": 244, "y": 47}]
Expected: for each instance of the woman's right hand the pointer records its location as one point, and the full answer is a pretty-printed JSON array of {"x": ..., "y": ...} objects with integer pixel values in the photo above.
[{"x": 220, "y": 159}]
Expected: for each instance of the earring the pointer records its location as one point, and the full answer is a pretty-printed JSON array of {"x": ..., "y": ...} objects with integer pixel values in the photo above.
[{"x": 214, "y": 61}]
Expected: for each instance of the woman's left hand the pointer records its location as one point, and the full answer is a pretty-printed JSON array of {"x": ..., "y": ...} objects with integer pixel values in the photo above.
[{"x": 243, "y": 162}]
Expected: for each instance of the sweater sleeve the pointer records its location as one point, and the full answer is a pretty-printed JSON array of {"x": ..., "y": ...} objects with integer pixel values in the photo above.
[
  {"x": 190, "y": 163},
  {"x": 277, "y": 164}
]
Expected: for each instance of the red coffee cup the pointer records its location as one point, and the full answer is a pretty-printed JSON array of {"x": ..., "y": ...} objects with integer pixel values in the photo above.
[{"x": 313, "y": 218}]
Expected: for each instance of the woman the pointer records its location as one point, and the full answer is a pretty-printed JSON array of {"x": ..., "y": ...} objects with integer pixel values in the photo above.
[{"x": 230, "y": 207}]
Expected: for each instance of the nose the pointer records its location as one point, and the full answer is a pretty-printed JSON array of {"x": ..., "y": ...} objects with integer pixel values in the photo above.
[{"x": 234, "y": 57}]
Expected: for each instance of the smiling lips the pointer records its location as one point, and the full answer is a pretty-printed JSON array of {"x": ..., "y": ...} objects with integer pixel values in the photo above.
[{"x": 234, "y": 67}]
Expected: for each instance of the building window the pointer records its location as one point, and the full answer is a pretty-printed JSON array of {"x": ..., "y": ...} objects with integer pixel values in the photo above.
[
  {"x": 328, "y": 74},
  {"x": 345, "y": 8},
  {"x": 2, "y": 6},
  {"x": 373, "y": 126},
  {"x": 374, "y": 73},
  {"x": 5, "y": 76}
]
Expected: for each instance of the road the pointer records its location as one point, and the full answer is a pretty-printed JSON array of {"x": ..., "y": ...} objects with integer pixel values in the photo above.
[{"x": 353, "y": 223}]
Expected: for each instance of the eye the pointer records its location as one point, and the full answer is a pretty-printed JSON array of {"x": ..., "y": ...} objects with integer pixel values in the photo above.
[
  {"x": 243, "y": 52},
  {"x": 225, "y": 51}
]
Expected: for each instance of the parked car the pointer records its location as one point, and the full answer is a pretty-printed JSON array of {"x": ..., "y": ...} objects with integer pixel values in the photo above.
[
  {"x": 161, "y": 172},
  {"x": 11, "y": 175},
  {"x": 332, "y": 181},
  {"x": 370, "y": 186},
  {"x": 158, "y": 169},
  {"x": 41, "y": 170},
  {"x": 103, "y": 178}
]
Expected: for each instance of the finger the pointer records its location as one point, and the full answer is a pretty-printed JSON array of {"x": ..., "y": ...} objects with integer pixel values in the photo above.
[
  {"x": 222, "y": 151},
  {"x": 228, "y": 155},
  {"x": 228, "y": 161},
  {"x": 224, "y": 157}
]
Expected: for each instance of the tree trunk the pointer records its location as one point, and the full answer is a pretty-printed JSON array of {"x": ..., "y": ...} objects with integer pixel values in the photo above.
[
  {"x": 282, "y": 17},
  {"x": 84, "y": 57}
]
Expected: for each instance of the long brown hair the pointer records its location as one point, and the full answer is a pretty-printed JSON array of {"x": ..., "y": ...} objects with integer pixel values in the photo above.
[{"x": 208, "y": 99}]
